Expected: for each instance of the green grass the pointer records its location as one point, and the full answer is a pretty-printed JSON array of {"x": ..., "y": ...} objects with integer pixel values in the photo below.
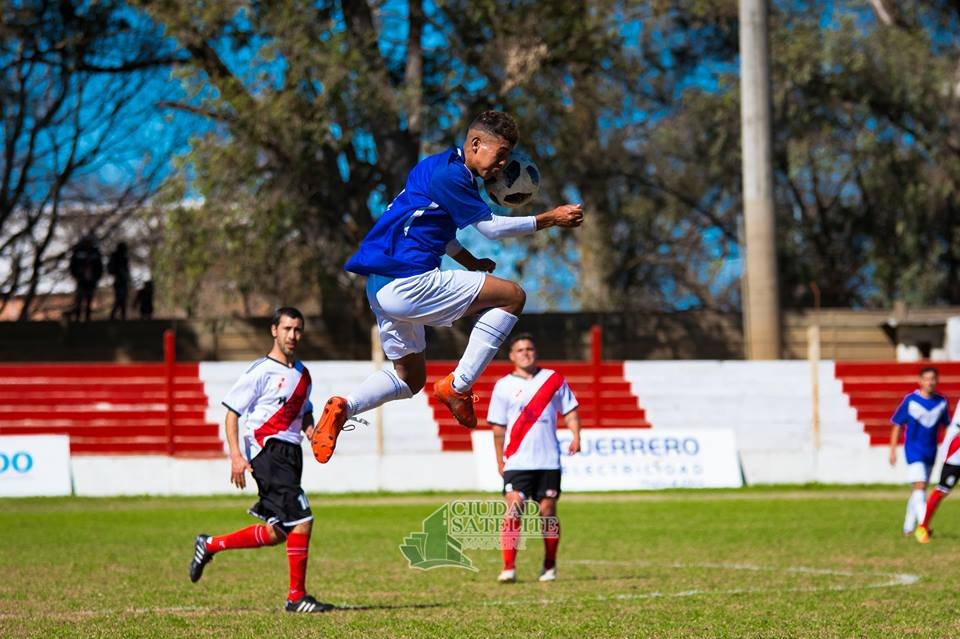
[{"x": 799, "y": 562}]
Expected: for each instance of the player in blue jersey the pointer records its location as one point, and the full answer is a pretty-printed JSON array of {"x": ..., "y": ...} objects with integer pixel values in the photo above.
[
  {"x": 921, "y": 413},
  {"x": 407, "y": 290}
]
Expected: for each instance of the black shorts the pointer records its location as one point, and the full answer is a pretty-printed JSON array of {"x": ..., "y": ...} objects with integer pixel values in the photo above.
[
  {"x": 277, "y": 469},
  {"x": 533, "y": 484},
  {"x": 948, "y": 477}
]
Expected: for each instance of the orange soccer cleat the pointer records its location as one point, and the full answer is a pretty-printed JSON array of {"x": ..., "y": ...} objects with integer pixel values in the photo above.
[
  {"x": 331, "y": 423},
  {"x": 460, "y": 404}
]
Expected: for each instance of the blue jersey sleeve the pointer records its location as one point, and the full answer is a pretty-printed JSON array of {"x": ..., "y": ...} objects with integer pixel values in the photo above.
[
  {"x": 457, "y": 194},
  {"x": 945, "y": 415},
  {"x": 901, "y": 416}
]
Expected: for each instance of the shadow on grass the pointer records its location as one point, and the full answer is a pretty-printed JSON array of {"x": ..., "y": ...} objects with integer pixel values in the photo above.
[{"x": 410, "y": 606}]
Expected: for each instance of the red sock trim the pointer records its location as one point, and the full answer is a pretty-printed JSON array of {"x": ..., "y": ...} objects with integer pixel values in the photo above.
[
  {"x": 934, "y": 500},
  {"x": 249, "y": 537},
  {"x": 298, "y": 548}
]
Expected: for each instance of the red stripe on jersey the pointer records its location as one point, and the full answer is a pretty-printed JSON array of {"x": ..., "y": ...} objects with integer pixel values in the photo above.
[
  {"x": 532, "y": 412},
  {"x": 954, "y": 446},
  {"x": 281, "y": 420}
]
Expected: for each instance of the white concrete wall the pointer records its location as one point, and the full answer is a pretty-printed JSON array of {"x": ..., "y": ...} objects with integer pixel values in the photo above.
[
  {"x": 98, "y": 476},
  {"x": 767, "y": 404}
]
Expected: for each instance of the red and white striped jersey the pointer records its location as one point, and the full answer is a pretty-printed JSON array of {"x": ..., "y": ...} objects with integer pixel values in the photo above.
[
  {"x": 953, "y": 447},
  {"x": 271, "y": 399},
  {"x": 528, "y": 408}
]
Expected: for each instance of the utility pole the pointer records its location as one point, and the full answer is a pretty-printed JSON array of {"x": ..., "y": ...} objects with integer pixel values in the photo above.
[{"x": 761, "y": 304}]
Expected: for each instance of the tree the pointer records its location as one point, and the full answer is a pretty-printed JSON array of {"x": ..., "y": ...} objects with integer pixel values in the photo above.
[
  {"x": 311, "y": 123},
  {"x": 72, "y": 77},
  {"x": 321, "y": 108}
]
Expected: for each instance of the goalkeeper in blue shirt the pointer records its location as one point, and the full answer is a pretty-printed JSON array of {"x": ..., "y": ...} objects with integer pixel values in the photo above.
[{"x": 407, "y": 290}]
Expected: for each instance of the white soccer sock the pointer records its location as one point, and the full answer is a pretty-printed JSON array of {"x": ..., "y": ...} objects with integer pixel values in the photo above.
[
  {"x": 916, "y": 510},
  {"x": 376, "y": 390},
  {"x": 919, "y": 498},
  {"x": 909, "y": 518},
  {"x": 488, "y": 334}
]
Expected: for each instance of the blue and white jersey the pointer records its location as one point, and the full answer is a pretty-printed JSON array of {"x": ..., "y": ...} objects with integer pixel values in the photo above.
[
  {"x": 439, "y": 198},
  {"x": 921, "y": 417}
]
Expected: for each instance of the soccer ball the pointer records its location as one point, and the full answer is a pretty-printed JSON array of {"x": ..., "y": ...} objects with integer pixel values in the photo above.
[{"x": 516, "y": 184}]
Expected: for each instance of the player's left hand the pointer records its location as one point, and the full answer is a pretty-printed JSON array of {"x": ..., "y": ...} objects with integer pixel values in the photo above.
[
  {"x": 574, "y": 446},
  {"x": 486, "y": 265}
]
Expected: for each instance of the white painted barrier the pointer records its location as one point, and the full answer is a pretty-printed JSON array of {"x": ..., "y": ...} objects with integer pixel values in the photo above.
[
  {"x": 767, "y": 405},
  {"x": 34, "y": 465},
  {"x": 632, "y": 459}
]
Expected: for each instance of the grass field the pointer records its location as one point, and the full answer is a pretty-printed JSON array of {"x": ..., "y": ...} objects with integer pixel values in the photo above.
[{"x": 812, "y": 562}]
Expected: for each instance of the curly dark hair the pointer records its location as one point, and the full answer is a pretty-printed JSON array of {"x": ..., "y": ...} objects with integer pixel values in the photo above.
[{"x": 498, "y": 123}]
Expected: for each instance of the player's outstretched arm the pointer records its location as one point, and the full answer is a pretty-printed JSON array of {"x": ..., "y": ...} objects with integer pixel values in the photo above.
[
  {"x": 498, "y": 227},
  {"x": 566, "y": 216}
]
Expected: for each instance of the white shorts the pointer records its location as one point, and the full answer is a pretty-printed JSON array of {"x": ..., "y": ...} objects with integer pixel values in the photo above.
[
  {"x": 403, "y": 306},
  {"x": 918, "y": 471}
]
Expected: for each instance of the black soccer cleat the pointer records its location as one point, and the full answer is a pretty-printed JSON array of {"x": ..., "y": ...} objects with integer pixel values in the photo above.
[
  {"x": 308, "y": 604},
  {"x": 201, "y": 557}
]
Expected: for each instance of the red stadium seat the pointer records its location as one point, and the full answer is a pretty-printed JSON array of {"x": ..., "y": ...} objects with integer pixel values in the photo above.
[
  {"x": 875, "y": 389},
  {"x": 619, "y": 407},
  {"x": 109, "y": 409}
]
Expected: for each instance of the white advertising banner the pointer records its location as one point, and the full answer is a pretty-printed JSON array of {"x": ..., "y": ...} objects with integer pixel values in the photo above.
[
  {"x": 34, "y": 465},
  {"x": 633, "y": 459}
]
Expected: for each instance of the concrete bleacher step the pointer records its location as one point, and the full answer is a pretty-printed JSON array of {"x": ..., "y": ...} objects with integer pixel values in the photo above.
[
  {"x": 184, "y": 447},
  {"x": 116, "y": 431},
  {"x": 79, "y": 398},
  {"x": 109, "y": 408}
]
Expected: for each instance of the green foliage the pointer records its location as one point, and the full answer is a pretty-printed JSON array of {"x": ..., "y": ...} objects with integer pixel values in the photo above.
[{"x": 321, "y": 108}]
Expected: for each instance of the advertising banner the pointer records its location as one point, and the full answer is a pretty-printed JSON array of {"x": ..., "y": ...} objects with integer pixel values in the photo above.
[
  {"x": 34, "y": 465},
  {"x": 633, "y": 459}
]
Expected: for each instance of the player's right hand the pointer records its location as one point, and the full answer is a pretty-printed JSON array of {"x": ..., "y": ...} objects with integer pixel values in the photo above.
[
  {"x": 568, "y": 215},
  {"x": 500, "y": 467},
  {"x": 893, "y": 457},
  {"x": 238, "y": 466}
]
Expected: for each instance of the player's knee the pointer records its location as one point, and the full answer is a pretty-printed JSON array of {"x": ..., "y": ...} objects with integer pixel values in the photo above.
[
  {"x": 516, "y": 300},
  {"x": 276, "y": 535}
]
